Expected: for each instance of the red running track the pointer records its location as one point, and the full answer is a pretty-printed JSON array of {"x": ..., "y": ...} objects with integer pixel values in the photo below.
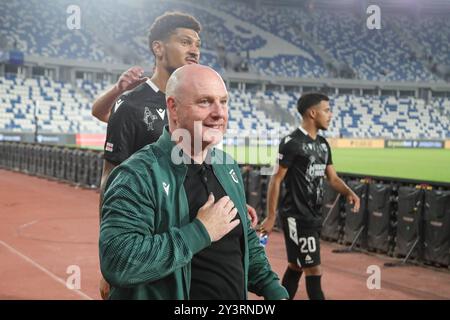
[{"x": 47, "y": 227}]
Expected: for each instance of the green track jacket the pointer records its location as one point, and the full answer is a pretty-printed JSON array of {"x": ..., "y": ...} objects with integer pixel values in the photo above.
[{"x": 146, "y": 239}]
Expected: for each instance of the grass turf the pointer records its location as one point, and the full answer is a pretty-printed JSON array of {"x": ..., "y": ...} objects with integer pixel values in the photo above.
[{"x": 418, "y": 164}]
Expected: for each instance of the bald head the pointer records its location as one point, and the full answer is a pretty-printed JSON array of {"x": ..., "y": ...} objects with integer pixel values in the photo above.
[
  {"x": 196, "y": 96},
  {"x": 195, "y": 72}
]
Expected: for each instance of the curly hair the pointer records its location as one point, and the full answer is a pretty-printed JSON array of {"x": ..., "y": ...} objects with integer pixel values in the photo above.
[{"x": 166, "y": 24}]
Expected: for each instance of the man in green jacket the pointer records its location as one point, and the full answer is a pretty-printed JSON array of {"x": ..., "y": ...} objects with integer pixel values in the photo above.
[{"x": 163, "y": 235}]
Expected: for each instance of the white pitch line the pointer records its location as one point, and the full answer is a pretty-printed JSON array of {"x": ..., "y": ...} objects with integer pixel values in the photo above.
[
  {"x": 50, "y": 274},
  {"x": 28, "y": 224}
]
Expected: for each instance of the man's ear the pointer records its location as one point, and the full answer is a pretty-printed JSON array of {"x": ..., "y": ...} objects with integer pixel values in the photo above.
[
  {"x": 158, "y": 49},
  {"x": 172, "y": 109},
  {"x": 312, "y": 113}
]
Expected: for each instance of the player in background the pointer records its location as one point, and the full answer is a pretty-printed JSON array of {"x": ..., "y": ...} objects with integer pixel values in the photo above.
[{"x": 304, "y": 160}]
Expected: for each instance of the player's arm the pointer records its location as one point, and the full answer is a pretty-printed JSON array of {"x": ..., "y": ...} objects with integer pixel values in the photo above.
[
  {"x": 120, "y": 139},
  {"x": 107, "y": 168},
  {"x": 273, "y": 195},
  {"x": 101, "y": 109},
  {"x": 339, "y": 185}
]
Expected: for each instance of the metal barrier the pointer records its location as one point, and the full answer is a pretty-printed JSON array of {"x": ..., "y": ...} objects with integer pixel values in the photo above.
[
  {"x": 381, "y": 215},
  {"x": 409, "y": 217},
  {"x": 436, "y": 226},
  {"x": 34, "y": 159},
  {"x": 59, "y": 163},
  {"x": 95, "y": 169},
  {"x": 333, "y": 220},
  {"x": 70, "y": 165},
  {"x": 23, "y": 157},
  {"x": 82, "y": 167},
  {"x": 253, "y": 189},
  {"x": 355, "y": 228},
  {"x": 40, "y": 160}
]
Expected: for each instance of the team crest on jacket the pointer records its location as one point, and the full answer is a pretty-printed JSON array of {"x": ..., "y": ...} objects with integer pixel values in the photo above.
[
  {"x": 149, "y": 118},
  {"x": 234, "y": 176}
]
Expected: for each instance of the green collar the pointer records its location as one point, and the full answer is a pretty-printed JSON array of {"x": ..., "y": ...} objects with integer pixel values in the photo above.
[{"x": 165, "y": 142}]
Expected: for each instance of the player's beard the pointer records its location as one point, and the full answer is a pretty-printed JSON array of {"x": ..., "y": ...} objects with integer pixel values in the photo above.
[
  {"x": 169, "y": 66},
  {"x": 322, "y": 127}
]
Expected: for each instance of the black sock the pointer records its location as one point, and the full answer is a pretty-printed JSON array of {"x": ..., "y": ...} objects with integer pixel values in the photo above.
[
  {"x": 290, "y": 281},
  {"x": 313, "y": 288}
]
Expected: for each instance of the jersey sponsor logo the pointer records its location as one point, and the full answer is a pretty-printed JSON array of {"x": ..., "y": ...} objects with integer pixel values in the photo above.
[
  {"x": 161, "y": 113},
  {"x": 117, "y": 105},
  {"x": 109, "y": 147},
  {"x": 316, "y": 170},
  {"x": 308, "y": 259},
  {"x": 166, "y": 187},
  {"x": 149, "y": 118},
  {"x": 233, "y": 176},
  {"x": 324, "y": 147}
]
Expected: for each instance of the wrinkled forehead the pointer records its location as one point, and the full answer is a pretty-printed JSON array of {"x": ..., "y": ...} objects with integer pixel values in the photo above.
[{"x": 206, "y": 83}]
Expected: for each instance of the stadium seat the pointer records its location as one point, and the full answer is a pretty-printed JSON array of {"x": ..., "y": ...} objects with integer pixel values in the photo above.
[{"x": 243, "y": 28}]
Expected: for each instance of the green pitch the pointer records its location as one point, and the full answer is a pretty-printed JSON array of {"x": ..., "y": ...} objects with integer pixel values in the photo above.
[{"x": 418, "y": 164}]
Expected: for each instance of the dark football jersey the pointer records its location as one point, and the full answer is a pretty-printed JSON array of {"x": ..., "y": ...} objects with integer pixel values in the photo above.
[
  {"x": 306, "y": 160},
  {"x": 137, "y": 119}
]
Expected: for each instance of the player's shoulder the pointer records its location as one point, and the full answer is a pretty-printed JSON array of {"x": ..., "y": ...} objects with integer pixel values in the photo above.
[
  {"x": 292, "y": 138},
  {"x": 131, "y": 103},
  {"x": 322, "y": 139},
  {"x": 323, "y": 143},
  {"x": 142, "y": 95},
  {"x": 290, "y": 144}
]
